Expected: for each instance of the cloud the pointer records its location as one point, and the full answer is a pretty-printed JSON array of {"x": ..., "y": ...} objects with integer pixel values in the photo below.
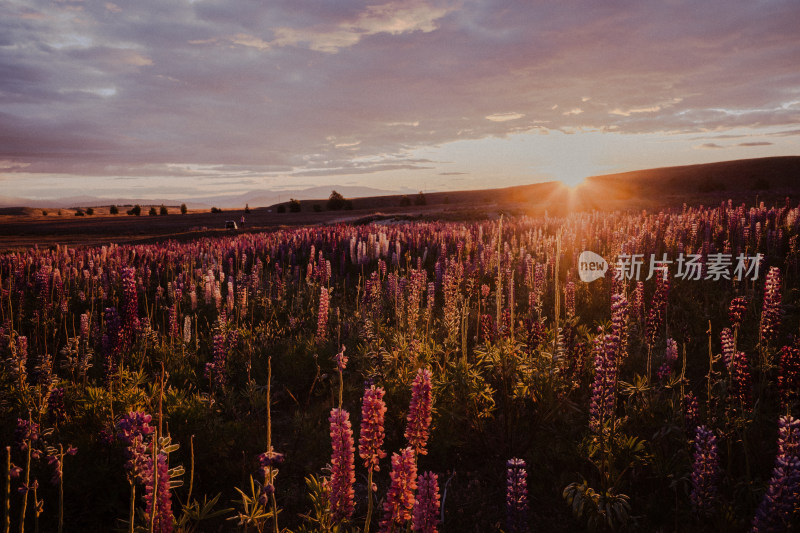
[
  {"x": 282, "y": 88},
  {"x": 708, "y": 146},
  {"x": 763, "y": 143}
]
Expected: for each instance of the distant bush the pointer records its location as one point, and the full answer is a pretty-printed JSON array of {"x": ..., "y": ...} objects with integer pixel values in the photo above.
[
  {"x": 216, "y": 210},
  {"x": 135, "y": 210},
  {"x": 246, "y": 209},
  {"x": 79, "y": 212},
  {"x": 153, "y": 211},
  {"x": 420, "y": 199},
  {"x": 59, "y": 212},
  {"x": 317, "y": 208},
  {"x": 163, "y": 210},
  {"x": 90, "y": 210},
  {"x": 44, "y": 212},
  {"x": 281, "y": 208},
  {"x": 183, "y": 209},
  {"x": 295, "y": 206},
  {"x": 114, "y": 210},
  {"x": 405, "y": 200}
]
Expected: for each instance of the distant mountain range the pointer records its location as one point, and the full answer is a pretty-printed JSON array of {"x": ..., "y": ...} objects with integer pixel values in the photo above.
[{"x": 254, "y": 198}]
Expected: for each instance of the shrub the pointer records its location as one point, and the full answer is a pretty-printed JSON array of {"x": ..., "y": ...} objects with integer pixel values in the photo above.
[
  {"x": 90, "y": 211},
  {"x": 183, "y": 209},
  {"x": 420, "y": 199},
  {"x": 153, "y": 212},
  {"x": 336, "y": 201},
  {"x": 135, "y": 210},
  {"x": 79, "y": 212},
  {"x": 294, "y": 206},
  {"x": 44, "y": 212},
  {"x": 114, "y": 210},
  {"x": 163, "y": 210},
  {"x": 216, "y": 210},
  {"x": 246, "y": 209},
  {"x": 405, "y": 200}
]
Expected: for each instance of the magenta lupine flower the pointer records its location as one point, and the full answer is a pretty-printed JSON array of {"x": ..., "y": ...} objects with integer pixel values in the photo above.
[
  {"x": 215, "y": 370},
  {"x": 343, "y": 473},
  {"x": 670, "y": 356},
  {"x": 85, "y": 327},
  {"x": 426, "y": 508},
  {"x": 740, "y": 385},
  {"x": 322, "y": 318},
  {"x": 569, "y": 299},
  {"x": 164, "y": 522},
  {"x": 789, "y": 374},
  {"x": 637, "y": 301},
  {"x": 516, "y": 496},
  {"x": 728, "y": 346},
  {"x": 419, "y": 411},
  {"x": 400, "y": 497},
  {"x": 134, "y": 431},
  {"x": 604, "y": 389},
  {"x": 619, "y": 325},
  {"x": 737, "y": 310},
  {"x": 340, "y": 359},
  {"x": 774, "y": 515},
  {"x": 771, "y": 312},
  {"x": 658, "y": 311},
  {"x": 373, "y": 411},
  {"x": 705, "y": 471},
  {"x": 130, "y": 305}
]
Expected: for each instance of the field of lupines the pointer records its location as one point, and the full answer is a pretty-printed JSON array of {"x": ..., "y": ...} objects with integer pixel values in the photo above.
[{"x": 409, "y": 377}]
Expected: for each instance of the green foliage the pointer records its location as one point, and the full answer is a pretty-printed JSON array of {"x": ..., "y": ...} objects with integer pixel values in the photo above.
[{"x": 600, "y": 511}]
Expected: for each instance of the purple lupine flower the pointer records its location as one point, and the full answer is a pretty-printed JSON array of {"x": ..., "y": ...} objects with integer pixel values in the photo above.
[
  {"x": 342, "y": 466},
  {"x": 516, "y": 496},
  {"x": 268, "y": 461},
  {"x": 400, "y": 497},
  {"x": 705, "y": 471},
  {"x": 322, "y": 318},
  {"x": 173, "y": 322},
  {"x": 18, "y": 361},
  {"x": 419, "y": 411},
  {"x": 774, "y": 514},
  {"x": 426, "y": 507},
  {"x": 604, "y": 388},
  {"x": 740, "y": 384},
  {"x": 340, "y": 359},
  {"x": 771, "y": 313},
  {"x": 789, "y": 374},
  {"x": 737, "y": 310},
  {"x": 619, "y": 325},
  {"x": 670, "y": 356},
  {"x": 373, "y": 410},
  {"x": 135, "y": 432},
  {"x": 691, "y": 410}
]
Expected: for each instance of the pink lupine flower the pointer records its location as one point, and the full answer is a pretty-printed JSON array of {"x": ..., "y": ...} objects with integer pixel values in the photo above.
[
  {"x": 322, "y": 318},
  {"x": 771, "y": 312},
  {"x": 419, "y": 411},
  {"x": 373, "y": 410},
  {"x": 342, "y": 466},
  {"x": 400, "y": 497}
]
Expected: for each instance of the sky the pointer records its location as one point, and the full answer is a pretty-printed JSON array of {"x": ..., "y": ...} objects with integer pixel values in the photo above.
[{"x": 181, "y": 98}]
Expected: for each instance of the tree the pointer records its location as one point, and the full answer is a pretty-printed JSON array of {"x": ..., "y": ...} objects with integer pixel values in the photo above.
[
  {"x": 135, "y": 210},
  {"x": 44, "y": 212},
  {"x": 153, "y": 211},
  {"x": 246, "y": 209},
  {"x": 114, "y": 210},
  {"x": 336, "y": 201},
  {"x": 216, "y": 210},
  {"x": 295, "y": 206},
  {"x": 183, "y": 209},
  {"x": 90, "y": 210},
  {"x": 79, "y": 212},
  {"x": 163, "y": 210},
  {"x": 420, "y": 199}
]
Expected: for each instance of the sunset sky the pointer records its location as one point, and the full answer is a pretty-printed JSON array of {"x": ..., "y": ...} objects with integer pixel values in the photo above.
[{"x": 175, "y": 99}]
